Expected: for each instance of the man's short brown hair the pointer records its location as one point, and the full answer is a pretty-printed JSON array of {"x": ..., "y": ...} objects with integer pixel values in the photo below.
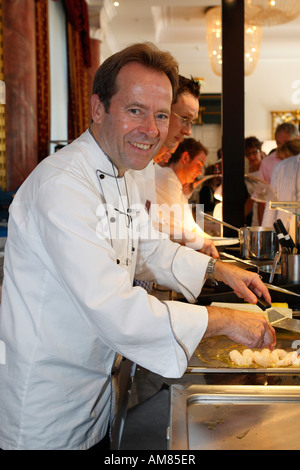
[
  {"x": 147, "y": 54},
  {"x": 190, "y": 145}
]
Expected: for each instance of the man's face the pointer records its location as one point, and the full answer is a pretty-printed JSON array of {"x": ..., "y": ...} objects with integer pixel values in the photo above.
[
  {"x": 136, "y": 125},
  {"x": 253, "y": 155},
  {"x": 282, "y": 137},
  {"x": 186, "y": 106},
  {"x": 194, "y": 167}
]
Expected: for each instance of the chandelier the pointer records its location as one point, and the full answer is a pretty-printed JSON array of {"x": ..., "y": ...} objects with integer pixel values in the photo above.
[
  {"x": 253, "y": 35},
  {"x": 271, "y": 12}
]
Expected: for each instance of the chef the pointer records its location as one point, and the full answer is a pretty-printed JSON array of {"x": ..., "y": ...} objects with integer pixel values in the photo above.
[{"x": 77, "y": 236}]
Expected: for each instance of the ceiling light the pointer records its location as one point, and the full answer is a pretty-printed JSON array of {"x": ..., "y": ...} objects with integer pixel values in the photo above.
[
  {"x": 253, "y": 36},
  {"x": 271, "y": 12}
]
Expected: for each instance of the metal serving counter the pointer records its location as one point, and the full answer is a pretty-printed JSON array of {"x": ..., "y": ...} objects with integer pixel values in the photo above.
[
  {"x": 220, "y": 406},
  {"x": 228, "y": 417}
]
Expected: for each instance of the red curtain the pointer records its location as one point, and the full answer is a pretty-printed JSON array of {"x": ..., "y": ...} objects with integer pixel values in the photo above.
[
  {"x": 43, "y": 80},
  {"x": 79, "y": 60}
]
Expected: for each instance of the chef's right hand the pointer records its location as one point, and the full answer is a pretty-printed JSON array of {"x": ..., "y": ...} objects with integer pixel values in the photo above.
[{"x": 251, "y": 329}]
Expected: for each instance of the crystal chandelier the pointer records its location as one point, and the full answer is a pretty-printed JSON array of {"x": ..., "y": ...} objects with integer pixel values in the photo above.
[
  {"x": 253, "y": 35},
  {"x": 271, "y": 12}
]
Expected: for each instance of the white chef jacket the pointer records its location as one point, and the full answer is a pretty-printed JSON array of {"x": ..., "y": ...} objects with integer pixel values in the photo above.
[
  {"x": 285, "y": 182},
  {"x": 174, "y": 213},
  {"x": 145, "y": 181},
  {"x": 68, "y": 305}
]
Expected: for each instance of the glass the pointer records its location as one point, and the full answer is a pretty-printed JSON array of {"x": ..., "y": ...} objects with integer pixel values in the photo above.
[
  {"x": 186, "y": 122},
  {"x": 252, "y": 152}
]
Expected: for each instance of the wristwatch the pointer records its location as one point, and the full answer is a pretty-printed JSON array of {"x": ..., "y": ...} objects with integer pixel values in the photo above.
[{"x": 211, "y": 268}]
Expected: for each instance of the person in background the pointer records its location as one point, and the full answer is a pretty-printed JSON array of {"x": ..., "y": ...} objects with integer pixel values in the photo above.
[
  {"x": 289, "y": 149},
  {"x": 207, "y": 191},
  {"x": 284, "y": 132},
  {"x": 253, "y": 154},
  {"x": 175, "y": 214},
  {"x": 253, "y": 158},
  {"x": 286, "y": 185},
  {"x": 184, "y": 112},
  {"x": 77, "y": 236}
]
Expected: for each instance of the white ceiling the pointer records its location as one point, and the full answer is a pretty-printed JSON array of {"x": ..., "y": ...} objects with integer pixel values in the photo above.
[{"x": 177, "y": 26}]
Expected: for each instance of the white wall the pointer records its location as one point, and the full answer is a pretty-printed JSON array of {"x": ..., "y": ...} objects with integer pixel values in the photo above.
[{"x": 269, "y": 88}]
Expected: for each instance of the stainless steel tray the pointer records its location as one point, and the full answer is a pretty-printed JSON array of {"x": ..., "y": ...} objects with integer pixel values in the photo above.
[
  {"x": 212, "y": 356},
  {"x": 234, "y": 417}
]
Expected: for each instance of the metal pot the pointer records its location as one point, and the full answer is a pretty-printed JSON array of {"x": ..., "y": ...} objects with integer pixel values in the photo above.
[{"x": 258, "y": 243}]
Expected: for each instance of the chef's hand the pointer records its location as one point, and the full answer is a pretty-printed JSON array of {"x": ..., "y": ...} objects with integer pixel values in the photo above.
[
  {"x": 209, "y": 248},
  {"x": 246, "y": 284},
  {"x": 251, "y": 329}
]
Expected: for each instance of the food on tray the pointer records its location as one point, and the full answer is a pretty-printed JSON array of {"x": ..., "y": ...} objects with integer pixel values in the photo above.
[{"x": 265, "y": 358}]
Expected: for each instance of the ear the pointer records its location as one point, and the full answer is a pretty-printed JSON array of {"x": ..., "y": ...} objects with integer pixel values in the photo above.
[
  {"x": 185, "y": 157},
  {"x": 97, "y": 109}
]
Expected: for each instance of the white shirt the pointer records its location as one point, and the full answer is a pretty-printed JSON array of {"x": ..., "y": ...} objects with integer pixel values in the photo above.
[
  {"x": 286, "y": 184},
  {"x": 68, "y": 305},
  {"x": 174, "y": 211},
  {"x": 267, "y": 166}
]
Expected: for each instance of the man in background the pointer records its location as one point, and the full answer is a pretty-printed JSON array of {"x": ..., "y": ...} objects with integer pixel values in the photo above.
[
  {"x": 284, "y": 132},
  {"x": 175, "y": 214},
  {"x": 184, "y": 112}
]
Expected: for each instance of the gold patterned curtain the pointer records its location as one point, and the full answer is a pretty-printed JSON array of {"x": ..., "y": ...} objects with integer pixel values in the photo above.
[
  {"x": 79, "y": 60},
  {"x": 43, "y": 80}
]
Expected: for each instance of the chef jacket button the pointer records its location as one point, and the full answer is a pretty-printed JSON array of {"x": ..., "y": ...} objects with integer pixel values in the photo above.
[
  {"x": 112, "y": 219},
  {"x": 133, "y": 249},
  {"x": 118, "y": 261},
  {"x": 102, "y": 176}
]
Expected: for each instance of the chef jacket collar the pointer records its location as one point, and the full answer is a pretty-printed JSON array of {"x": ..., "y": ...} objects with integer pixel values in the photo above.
[{"x": 107, "y": 166}]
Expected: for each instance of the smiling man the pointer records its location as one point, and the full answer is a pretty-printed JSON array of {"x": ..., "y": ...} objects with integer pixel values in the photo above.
[
  {"x": 76, "y": 239},
  {"x": 138, "y": 119}
]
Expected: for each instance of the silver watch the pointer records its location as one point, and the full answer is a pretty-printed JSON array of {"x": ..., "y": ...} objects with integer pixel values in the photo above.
[{"x": 211, "y": 268}]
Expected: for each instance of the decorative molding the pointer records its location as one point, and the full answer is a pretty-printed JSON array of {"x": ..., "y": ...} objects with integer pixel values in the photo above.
[{"x": 101, "y": 12}]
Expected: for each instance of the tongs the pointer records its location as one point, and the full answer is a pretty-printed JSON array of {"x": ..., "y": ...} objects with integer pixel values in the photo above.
[
  {"x": 277, "y": 319},
  {"x": 281, "y": 289}
]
